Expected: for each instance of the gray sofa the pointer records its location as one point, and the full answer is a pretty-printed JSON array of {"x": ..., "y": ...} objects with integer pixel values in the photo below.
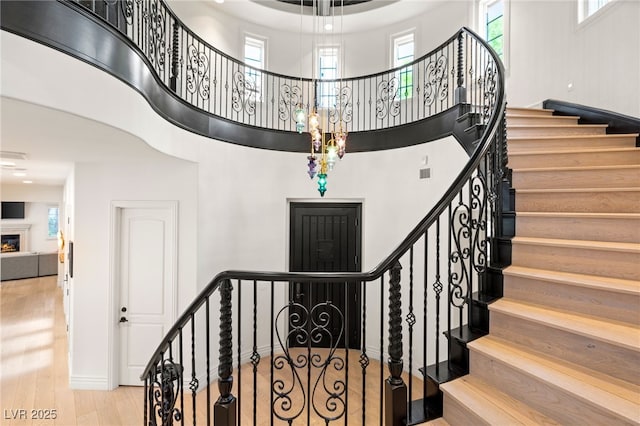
[{"x": 28, "y": 265}]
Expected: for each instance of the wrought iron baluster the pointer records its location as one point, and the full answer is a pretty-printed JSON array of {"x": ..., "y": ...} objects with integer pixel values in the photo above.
[
  {"x": 381, "y": 388},
  {"x": 239, "y": 312},
  {"x": 255, "y": 356},
  {"x": 364, "y": 359},
  {"x": 395, "y": 389},
  {"x": 225, "y": 407},
  {"x": 411, "y": 320},
  {"x": 194, "y": 384}
]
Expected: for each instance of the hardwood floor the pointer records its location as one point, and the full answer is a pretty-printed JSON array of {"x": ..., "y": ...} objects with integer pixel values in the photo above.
[
  {"x": 34, "y": 371},
  {"x": 34, "y": 374}
]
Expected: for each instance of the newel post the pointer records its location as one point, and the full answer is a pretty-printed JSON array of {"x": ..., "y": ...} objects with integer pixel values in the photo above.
[
  {"x": 395, "y": 390},
  {"x": 224, "y": 410}
]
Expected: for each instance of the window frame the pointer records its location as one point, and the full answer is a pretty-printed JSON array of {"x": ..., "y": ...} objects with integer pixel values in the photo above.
[
  {"x": 582, "y": 10},
  {"x": 55, "y": 234},
  {"x": 482, "y": 8},
  {"x": 254, "y": 72},
  {"x": 398, "y": 40},
  {"x": 325, "y": 98}
]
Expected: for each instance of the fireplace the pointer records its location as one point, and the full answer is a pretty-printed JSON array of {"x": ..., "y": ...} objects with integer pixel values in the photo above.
[
  {"x": 15, "y": 237},
  {"x": 10, "y": 243}
]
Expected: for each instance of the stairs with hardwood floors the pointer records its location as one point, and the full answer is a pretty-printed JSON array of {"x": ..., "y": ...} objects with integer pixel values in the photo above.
[{"x": 564, "y": 341}]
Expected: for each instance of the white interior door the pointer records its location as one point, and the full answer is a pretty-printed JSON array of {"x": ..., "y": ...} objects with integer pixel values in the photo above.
[{"x": 147, "y": 282}]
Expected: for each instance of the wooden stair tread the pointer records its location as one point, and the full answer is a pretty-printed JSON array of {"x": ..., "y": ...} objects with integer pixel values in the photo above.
[
  {"x": 582, "y": 244},
  {"x": 589, "y": 150},
  {"x": 544, "y": 117},
  {"x": 550, "y": 190},
  {"x": 623, "y": 335},
  {"x": 529, "y": 110},
  {"x": 618, "y": 285},
  {"x": 606, "y": 135},
  {"x": 581, "y": 215},
  {"x": 578, "y": 168},
  {"x": 491, "y": 404},
  {"x": 556, "y": 126},
  {"x": 609, "y": 394}
]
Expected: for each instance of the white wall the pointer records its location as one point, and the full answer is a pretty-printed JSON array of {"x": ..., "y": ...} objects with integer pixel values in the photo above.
[
  {"x": 96, "y": 185},
  {"x": 599, "y": 58}
]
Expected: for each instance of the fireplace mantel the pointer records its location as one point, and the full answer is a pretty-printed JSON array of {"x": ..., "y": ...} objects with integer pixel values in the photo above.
[{"x": 21, "y": 229}]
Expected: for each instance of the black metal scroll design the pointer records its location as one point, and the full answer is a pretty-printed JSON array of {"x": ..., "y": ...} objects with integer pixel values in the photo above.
[
  {"x": 155, "y": 18},
  {"x": 290, "y": 97},
  {"x": 490, "y": 84},
  {"x": 328, "y": 399},
  {"x": 198, "y": 72},
  {"x": 387, "y": 102},
  {"x": 283, "y": 403},
  {"x": 126, "y": 6},
  {"x": 459, "y": 275},
  {"x": 243, "y": 94},
  {"x": 343, "y": 110},
  {"x": 164, "y": 391},
  {"x": 436, "y": 83},
  {"x": 479, "y": 200}
]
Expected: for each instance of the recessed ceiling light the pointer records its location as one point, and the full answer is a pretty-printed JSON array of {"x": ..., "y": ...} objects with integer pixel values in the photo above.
[
  {"x": 328, "y": 26},
  {"x": 27, "y": 181},
  {"x": 4, "y": 163},
  {"x": 220, "y": 1},
  {"x": 19, "y": 174}
]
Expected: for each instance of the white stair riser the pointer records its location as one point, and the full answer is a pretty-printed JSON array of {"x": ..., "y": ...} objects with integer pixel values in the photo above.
[
  {"x": 541, "y": 120},
  {"x": 544, "y": 397},
  {"x": 574, "y": 159},
  {"x": 588, "y": 352},
  {"x": 600, "y": 262},
  {"x": 579, "y": 202},
  {"x": 583, "y": 300},
  {"x": 534, "y": 144},
  {"x": 579, "y": 228},
  {"x": 457, "y": 414},
  {"x": 589, "y": 178},
  {"x": 554, "y": 131}
]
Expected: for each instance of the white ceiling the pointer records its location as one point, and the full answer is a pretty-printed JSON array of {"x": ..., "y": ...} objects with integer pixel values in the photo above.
[
  {"x": 53, "y": 140},
  {"x": 357, "y": 18}
]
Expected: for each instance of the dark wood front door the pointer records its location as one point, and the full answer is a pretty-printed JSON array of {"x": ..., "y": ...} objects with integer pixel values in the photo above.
[{"x": 325, "y": 237}]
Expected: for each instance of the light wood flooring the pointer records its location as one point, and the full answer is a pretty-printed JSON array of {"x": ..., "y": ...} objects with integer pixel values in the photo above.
[{"x": 34, "y": 374}]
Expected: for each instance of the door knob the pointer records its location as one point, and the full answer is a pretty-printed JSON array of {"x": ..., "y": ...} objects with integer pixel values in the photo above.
[{"x": 123, "y": 319}]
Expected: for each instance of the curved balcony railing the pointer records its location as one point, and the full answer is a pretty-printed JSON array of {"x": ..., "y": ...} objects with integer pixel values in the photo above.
[{"x": 216, "y": 83}]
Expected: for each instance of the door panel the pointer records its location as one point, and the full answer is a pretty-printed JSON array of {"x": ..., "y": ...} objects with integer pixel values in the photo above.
[
  {"x": 326, "y": 238},
  {"x": 146, "y": 286}
]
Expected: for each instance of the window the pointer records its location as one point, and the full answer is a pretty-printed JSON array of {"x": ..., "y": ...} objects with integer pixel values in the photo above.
[
  {"x": 254, "y": 54},
  {"x": 403, "y": 53},
  {"x": 587, "y": 8},
  {"x": 494, "y": 26},
  {"x": 328, "y": 66},
  {"x": 52, "y": 222}
]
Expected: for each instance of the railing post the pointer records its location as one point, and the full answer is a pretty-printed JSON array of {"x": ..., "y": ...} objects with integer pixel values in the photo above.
[
  {"x": 175, "y": 60},
  {"x": 460, "y": 95},
  {"x": 395, "y": 390},
  {"x": 224, "y": 410}
]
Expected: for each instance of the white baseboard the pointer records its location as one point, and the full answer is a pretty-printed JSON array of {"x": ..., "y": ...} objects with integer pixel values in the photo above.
[{"x": 88, "y": 383}]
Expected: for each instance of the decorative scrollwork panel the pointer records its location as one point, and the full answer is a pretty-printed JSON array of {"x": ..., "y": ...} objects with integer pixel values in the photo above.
[
  {"x": 155, "y": 19},
  {"x": 198, "y": 73},
  {"x": 164, "y": 392},
  {"x": 387, "y": 102},
  {"x": 436, "y": 84},
  {"x": 343, "y": 111},
  {"x": 243, "y": 96},
  {"x": 290, "y": 96}
]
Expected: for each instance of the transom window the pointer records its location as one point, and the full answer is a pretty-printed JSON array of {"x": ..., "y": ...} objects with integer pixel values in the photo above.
[
  {"x": 403, "y": 53},
  {"x": 494, "y": 26}
]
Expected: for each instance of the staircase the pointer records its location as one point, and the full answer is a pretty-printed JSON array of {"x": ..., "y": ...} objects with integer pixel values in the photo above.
[{"x": 564, "y": 341}]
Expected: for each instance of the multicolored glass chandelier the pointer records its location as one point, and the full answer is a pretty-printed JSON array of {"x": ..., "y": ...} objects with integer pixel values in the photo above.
[{"x": 326, "y": 148}]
